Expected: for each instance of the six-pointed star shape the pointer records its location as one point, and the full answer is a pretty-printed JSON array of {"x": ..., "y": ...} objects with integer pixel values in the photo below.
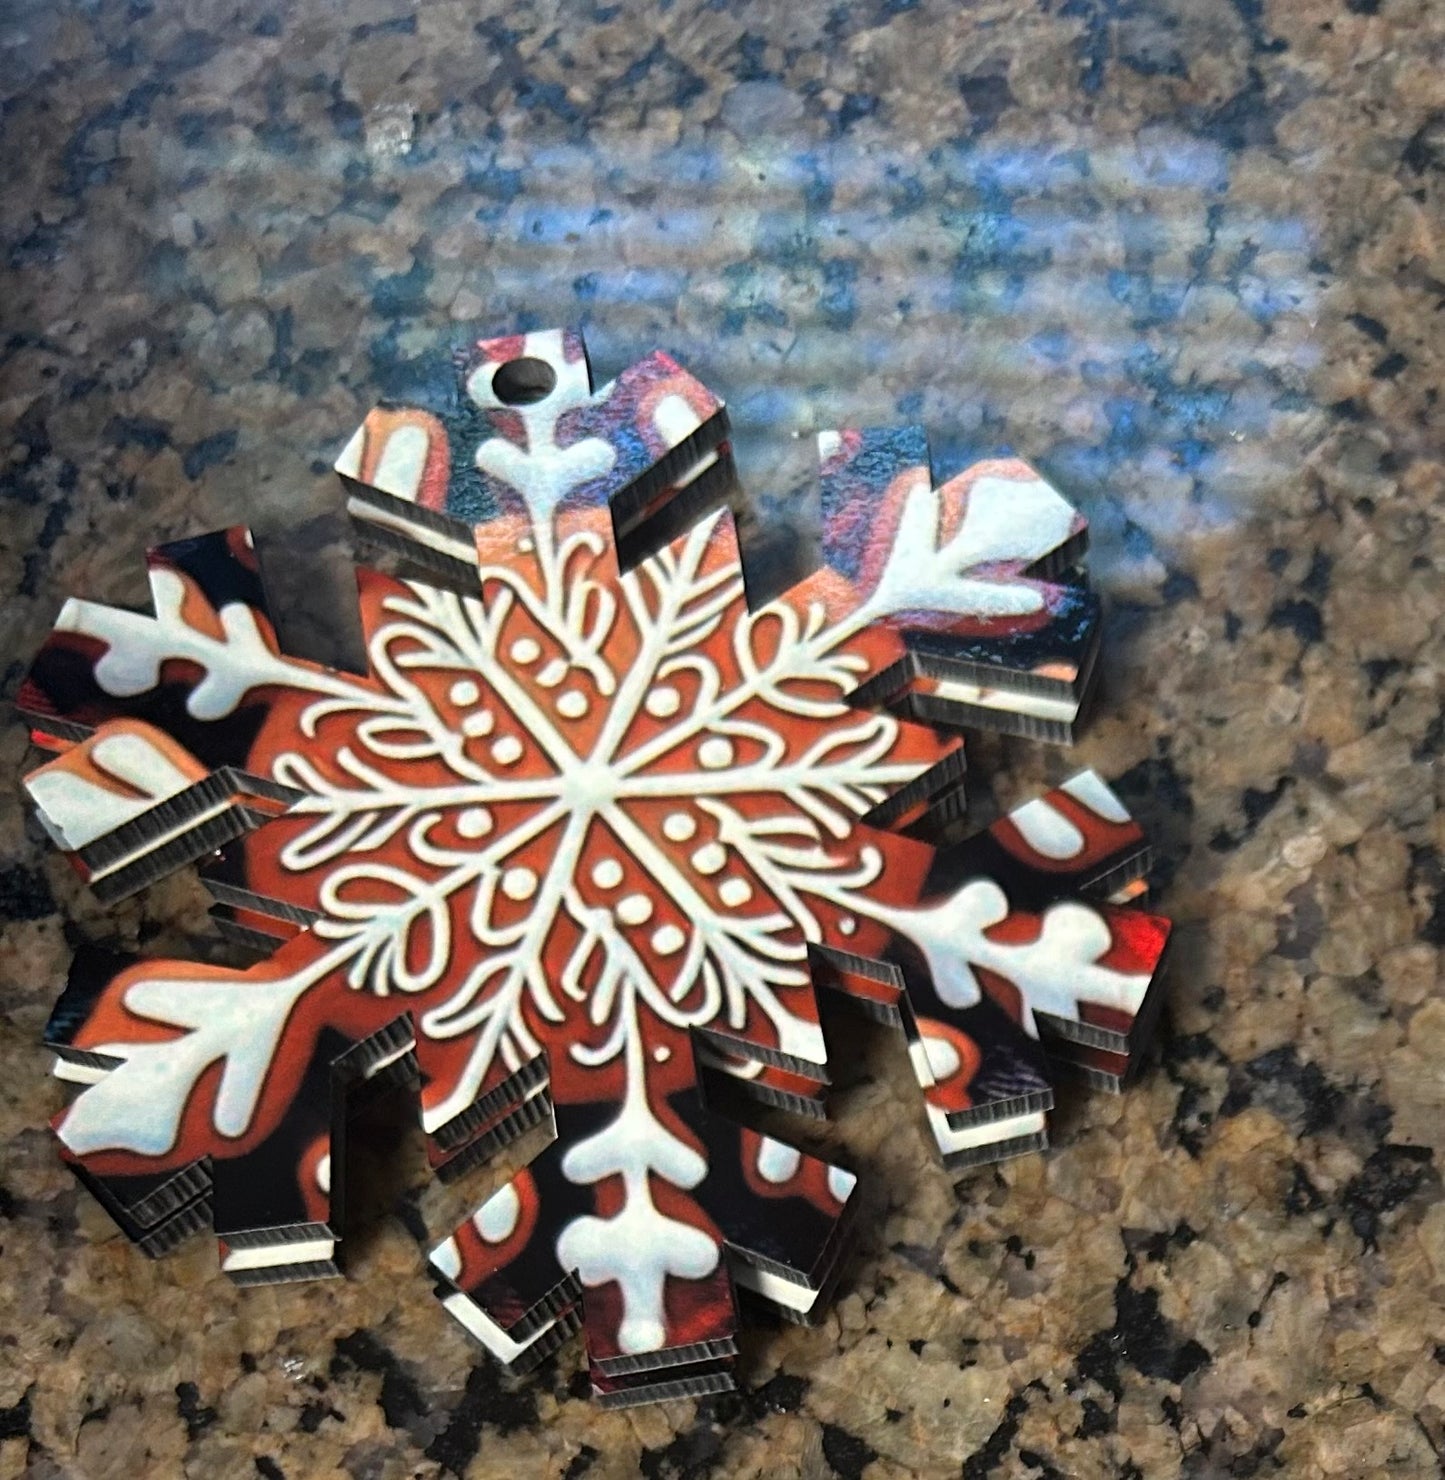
[{"x": 589, "y": 843}]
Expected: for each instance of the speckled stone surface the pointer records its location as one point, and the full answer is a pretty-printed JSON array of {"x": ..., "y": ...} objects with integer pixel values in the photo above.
[{"x": 1186, "y": 255}]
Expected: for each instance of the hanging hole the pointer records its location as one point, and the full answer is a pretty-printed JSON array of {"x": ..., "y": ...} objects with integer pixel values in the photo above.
[{"x": 523, "y": 382}]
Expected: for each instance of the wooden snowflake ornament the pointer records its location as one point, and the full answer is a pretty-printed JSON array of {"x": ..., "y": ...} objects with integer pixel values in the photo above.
[{"x": 590, "y": 842}]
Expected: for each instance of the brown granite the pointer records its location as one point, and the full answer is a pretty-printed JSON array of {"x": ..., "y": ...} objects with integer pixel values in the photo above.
[{"x": 1188, "y": 256}]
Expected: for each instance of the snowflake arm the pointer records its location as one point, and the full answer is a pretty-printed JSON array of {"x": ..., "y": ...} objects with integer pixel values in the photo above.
[
  {"x": 954, "y": 590},
  {"x": 204, "y": 1078},
  {"x": 425, "y": 478},
  {"x": 202, "y": 668}
]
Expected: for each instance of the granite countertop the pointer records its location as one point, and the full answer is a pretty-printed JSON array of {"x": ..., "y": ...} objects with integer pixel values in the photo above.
[{"x": 1185, "y": 255}]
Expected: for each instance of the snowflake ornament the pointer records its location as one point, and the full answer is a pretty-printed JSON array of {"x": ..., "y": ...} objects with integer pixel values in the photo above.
[{"x": 589, "y": 843}]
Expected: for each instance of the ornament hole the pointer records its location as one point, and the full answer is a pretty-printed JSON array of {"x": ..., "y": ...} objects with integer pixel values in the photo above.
[{"x": 523, "y": 382}]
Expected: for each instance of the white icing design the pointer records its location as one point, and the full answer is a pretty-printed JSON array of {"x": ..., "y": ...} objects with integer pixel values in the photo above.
[
  {"x": 636, "y": 909},
  {"x": 519, "y": 883},
  {"x": 474, "y": 822},
  {"x": 496, "y": 1219},
  {"x": 1089, "y": 788},
  {"x": 402, "y": 462},
  {"x": 138, "y": 1105},
  {"x": 668, "y": 940},
  {"x": 715, "y": 753},
  {"x": 1004, "y": 520},
  {"x": 841, "y": 1183},
  {"x": 542, "y": 472},
  {"x": 1055, "y": 972},
  {"x": 734, "y": 892},
  {"x": 678, "y": 827},
  {"x": 675, "y": 419},
  {"x": 77, "y": 811},
  {"x": 942, "y": 1057},
  {"x": 640, "y": 1246},
  {"x": 1046, "y": 830},
  {"x": 777, "y": 1162}
]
